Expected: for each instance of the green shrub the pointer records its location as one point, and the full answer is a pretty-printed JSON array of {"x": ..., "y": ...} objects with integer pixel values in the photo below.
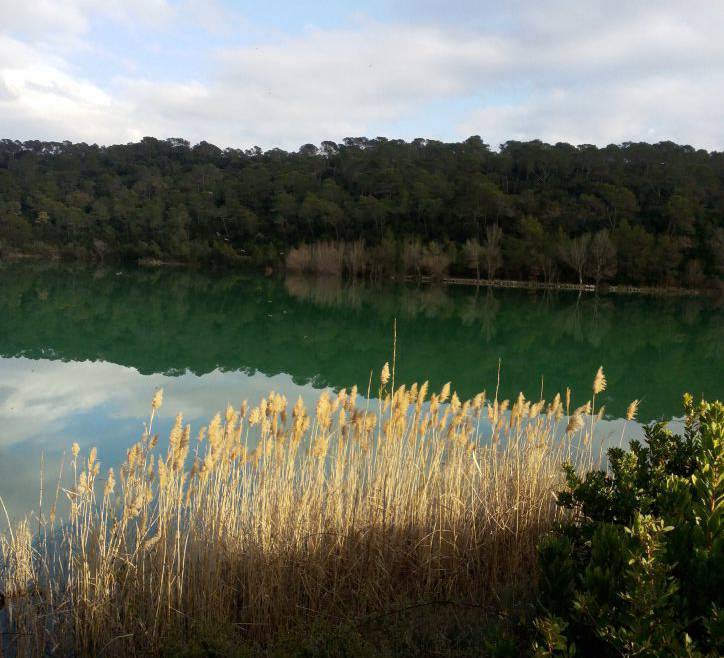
[{"x": 638, "y": 569}]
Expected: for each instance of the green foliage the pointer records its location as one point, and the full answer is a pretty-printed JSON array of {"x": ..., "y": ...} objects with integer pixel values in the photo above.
[
  {"x": 638, "y": 568},
  {"x": 553, "y": 642},
  {"x": 636, "y": 213}
]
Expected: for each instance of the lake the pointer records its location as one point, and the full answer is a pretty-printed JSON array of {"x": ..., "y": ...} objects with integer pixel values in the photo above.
[{"x": 83, "y": 349}]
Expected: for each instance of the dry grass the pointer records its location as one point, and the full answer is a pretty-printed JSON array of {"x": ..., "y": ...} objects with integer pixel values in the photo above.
[
  {"x": 328, "y": 258},
  {"x": 299, "y": 259},
  {"x": 271, "y": 517}
]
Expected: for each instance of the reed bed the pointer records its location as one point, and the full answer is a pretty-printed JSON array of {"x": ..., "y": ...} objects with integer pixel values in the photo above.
[{"x": 272, "y": 516}]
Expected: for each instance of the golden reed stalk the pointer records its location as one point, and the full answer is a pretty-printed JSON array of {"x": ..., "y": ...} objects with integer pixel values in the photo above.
[{"x": 271, "y": 517}]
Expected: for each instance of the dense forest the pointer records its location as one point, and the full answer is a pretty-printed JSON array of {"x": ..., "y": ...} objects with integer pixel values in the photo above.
[{"x": 636, "y": 213}]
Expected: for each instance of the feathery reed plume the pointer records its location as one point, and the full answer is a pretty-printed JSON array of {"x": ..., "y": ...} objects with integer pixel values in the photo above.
[
  {"x": 385, "y": 374},
  {"x": 632, "y": 410},
  {"x": 575, "y": 423},
  {"x": 445, "y": 392},
  {"x": 157, "y": 399},
  {"x": 599, "y": 382},
  {"x": 280, "y": 519},
  {"x": 110, "y": 483}
]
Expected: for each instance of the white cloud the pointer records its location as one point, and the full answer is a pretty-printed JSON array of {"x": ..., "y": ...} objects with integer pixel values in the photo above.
[
  {"x": 46, "y": 405},
  {"x": 41, "y": 99},
  {"x": 330, "y": 83},
  {"x": 576, "y": 71},
  {"x": 42, "y": 398},
  {"x": 49, "y": 19},
  {"x": 683, "y": 109},
  {"x": 43, "y": 18}
]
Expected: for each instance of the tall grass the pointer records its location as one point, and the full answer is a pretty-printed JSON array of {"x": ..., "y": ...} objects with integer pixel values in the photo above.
[
  {"x": 354, "y": 259},
  {"x": 273, "y": 516},
  {"x": 328, "y": 258}
]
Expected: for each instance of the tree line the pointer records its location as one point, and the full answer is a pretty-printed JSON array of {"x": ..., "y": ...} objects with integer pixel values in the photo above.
[{"x": 635, "y": 213}]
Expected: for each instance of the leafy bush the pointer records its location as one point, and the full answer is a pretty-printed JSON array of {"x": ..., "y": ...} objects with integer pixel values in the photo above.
[{"x": 638, "y": 567}]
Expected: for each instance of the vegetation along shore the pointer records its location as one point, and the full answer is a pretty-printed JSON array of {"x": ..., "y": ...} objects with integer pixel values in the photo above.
[
  {"x": 676, "y": 291},
  {"x": 635, "y": 215},
  {"x": 272, "y": 388},
  {"x": 278, "y": 530}
]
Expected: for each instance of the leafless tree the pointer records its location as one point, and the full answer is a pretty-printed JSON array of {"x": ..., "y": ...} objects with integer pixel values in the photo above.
[
  {"x": 412, "y": 257},
  {"x": 548, "y": 267},
  {"x": 603, "y": 261},
  {"x": 492, "y": 251},
  {"x": 435, "y": 260},
  {"x": 472, "y": 252},
  {"x": 575, "y": 254},
  {"x": 100, "y": 248}
]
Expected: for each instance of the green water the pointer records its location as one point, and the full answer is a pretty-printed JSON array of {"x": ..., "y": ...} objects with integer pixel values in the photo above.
[{"x": 82, "y": 350}]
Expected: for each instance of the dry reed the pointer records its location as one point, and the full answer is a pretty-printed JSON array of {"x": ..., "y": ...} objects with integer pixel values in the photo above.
[
  {"x": 328, "y": 258},
  {"x": 273, "y": 516}
]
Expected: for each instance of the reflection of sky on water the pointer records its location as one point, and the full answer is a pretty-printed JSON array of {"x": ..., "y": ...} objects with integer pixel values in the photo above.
[{"x": 46, "y": 405}]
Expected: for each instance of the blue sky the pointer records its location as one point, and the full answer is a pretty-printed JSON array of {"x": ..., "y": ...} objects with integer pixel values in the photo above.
[{"x": 282, "y": 73}]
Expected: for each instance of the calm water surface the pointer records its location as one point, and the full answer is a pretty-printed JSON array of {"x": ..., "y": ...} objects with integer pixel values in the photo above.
[{"x": 82, "y": 351}]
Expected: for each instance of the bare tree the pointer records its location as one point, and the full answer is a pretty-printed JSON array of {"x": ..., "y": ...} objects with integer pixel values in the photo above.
[
  {"x": 492, "y": 251},
  {"x": 435, "y": 260},
  {"x": 472, "y": 252},
  {"x": 100, "y": 248},
  {"x": 412, "y": 257},
  {"x": 548, "y": 267},
  {"x": 603, "y": 261},
  {"x": 575, "y": 254}
]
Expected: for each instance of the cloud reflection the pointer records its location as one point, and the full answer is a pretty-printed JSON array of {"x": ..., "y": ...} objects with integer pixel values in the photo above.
[{"x": 46, "y": 405}]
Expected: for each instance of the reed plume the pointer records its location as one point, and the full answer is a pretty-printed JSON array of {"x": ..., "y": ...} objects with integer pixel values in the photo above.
[
  {"x": 277, "y": 517},
  {"x": 599, "y": 382},
  {"x": 632, "y": 410}
]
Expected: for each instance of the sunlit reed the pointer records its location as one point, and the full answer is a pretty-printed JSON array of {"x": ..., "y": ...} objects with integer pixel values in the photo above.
[{"x": 275, "y": 516}]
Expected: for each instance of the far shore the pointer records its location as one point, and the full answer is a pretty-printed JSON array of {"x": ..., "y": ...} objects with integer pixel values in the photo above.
[{"x": 620, "y": 289}]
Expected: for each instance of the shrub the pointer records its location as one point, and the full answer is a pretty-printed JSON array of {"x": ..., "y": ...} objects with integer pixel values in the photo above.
[{"x": 637, "y": 568}]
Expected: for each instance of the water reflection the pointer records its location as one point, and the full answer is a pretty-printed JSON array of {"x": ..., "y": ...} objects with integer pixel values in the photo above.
[
  {"x": 81, "y": 350},
  {"x": 330, "y": 333},
  {"x": 46, "y": 405}
]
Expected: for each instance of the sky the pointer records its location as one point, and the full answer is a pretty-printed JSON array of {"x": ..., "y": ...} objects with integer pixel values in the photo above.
[{"x": 281, "y": 73}]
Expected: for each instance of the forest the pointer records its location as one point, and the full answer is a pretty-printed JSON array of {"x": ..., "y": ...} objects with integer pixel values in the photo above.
[{"x": 635, "y": 213}]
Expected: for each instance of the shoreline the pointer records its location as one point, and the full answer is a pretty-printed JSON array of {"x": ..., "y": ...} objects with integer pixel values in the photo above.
[
  {"x": 617, "y": 289},
  {"x": 620, "y": 289}
]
